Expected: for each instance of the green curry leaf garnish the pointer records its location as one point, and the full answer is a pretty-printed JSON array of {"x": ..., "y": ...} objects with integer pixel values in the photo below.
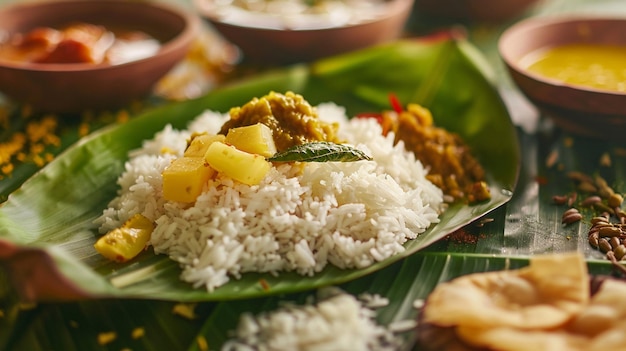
[{"x": 320, "y": 151}]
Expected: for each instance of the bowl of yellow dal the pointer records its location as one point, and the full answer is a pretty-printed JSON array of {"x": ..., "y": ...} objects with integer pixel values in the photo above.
[{"x": 573, "y": 69}]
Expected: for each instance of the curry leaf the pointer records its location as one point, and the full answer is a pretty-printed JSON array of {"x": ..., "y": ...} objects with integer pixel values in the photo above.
[{"x": 320, "y": 151}]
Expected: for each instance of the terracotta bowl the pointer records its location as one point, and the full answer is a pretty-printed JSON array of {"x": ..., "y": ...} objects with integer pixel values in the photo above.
[
  {"x": 474, "y": 10},
  {"x": 263, "y": 40},
  {"x": 585, "y": 111},
  {"x": 75, "y": 87}
]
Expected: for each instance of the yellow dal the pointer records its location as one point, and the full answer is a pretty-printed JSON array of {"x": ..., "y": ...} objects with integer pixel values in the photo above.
[{"x": 596, "y": 66}]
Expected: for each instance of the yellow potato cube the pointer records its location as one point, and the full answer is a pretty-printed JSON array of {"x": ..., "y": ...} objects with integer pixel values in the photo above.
[
  {"x": 200, "y": 143},
  {"x": 184, "y": 178},
  {"x": 255, "y": 139},
  {"x": 242, "y": 166},
  {"x": 124, "y": 243}
]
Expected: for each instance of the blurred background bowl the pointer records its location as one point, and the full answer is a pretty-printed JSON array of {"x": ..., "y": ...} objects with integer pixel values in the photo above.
[
  {"x": 474, "y": 10},
  {"x": 264, "y": 39},
  {"x": 581, "y": 110},
  {"x": 76, "y": 87}
]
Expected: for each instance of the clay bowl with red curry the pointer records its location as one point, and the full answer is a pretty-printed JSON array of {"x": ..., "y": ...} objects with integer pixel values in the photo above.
[{"x": 71, "y": 56}]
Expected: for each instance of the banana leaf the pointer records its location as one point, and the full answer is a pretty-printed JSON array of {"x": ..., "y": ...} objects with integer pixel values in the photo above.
[
  {"x": 76, "y": 326},
  {"x": 527, "y": 224},
  {"x": 46, "y": 226}
]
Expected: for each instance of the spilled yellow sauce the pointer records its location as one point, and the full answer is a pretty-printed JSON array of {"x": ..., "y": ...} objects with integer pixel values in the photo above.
[{"x": 596, "y": 66}]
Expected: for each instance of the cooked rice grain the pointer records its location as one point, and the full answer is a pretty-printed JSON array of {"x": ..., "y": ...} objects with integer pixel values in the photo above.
[{"x": 300, "y": 219}]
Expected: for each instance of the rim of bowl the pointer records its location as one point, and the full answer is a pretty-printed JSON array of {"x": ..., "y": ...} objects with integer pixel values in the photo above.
[
  {"x": 392, "y": 8},
  {"x": 180, "y": 39},
  {"x": 535, "y": 23}
]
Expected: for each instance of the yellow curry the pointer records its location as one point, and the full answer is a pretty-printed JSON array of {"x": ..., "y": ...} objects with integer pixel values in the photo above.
[
  {"x": 291, "y": 118},
  {"x": 589, "y": 65}
]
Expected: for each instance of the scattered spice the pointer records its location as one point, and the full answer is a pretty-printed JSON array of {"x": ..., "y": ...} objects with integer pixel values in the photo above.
[
  {"x": 608, "y": 226},
  {"x": 568, "y": 142},
  {"x": 138, "y": 333},
  {"x": 264, "y": 284},
  {"x": 35, "y": 139},
  {"x": 83, "y": 129},
  {"x": 106, "y": 337},
  {"x": 462, "y": 236},
  {"x": 590, "y": 201},
  {"x": 203, "y": 345},
  {"x": 559, "y": 199},
  {"x": 186, "y": 310},
  {"x": 605, "y": 160},
  {"x": 481, "y": 222},
  {"x": 552, "y": 158},
  {"x": 587, "y": 187},
  {"x": 571, "y": 215},
  {"x": 571, "y": 199}
]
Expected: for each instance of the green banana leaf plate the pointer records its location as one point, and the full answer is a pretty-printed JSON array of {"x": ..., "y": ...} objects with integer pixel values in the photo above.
[{"x": 46, "y": 226}]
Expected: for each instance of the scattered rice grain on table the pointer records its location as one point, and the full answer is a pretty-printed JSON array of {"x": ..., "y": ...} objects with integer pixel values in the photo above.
[{"x": 300, "y": 218}]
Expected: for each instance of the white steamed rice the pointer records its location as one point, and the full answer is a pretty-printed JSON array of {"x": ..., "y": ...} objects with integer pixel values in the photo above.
[
  {"x": 300, "y": 219},
  {"x": 336, "y": 321}
]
